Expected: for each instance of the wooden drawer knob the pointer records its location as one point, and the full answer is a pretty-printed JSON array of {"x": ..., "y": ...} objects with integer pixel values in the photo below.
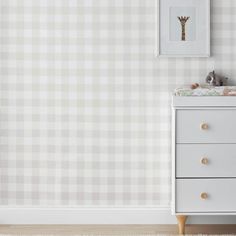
[
  {"x": 204, "y": 161},
  {"x": 204, "y": 126},
  {"x": 204, "y": 196}
]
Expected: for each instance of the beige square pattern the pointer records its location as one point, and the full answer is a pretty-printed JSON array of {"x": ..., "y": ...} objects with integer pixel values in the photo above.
[{"x": 85, "y": 102}]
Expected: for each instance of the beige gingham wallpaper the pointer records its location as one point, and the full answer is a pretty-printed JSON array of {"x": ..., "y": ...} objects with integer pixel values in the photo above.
[{"x": 85, "y": 103}]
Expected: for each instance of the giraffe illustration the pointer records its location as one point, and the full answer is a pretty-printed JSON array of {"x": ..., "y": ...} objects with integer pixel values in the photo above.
[{"x": 183, "y": 20}]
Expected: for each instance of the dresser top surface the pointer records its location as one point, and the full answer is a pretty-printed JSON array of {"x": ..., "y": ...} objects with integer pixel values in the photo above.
[
  {"x": 205, "y": 90},
  {"x": 204, "y": 101},
  {"x": 205, "y": 96}
]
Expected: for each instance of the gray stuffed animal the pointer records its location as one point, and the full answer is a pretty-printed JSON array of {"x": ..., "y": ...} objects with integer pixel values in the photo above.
[{"x": 216, "y": 80}]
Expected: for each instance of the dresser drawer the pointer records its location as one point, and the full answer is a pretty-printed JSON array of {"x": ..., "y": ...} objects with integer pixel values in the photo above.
[
  {"x": 206, "y": 126},
  {"x": 205, "y": 160},
  {"x": 206, "y": 195}
]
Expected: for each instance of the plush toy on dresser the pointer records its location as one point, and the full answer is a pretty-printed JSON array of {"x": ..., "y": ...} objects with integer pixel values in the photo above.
[{"x": 216, "y": 79}]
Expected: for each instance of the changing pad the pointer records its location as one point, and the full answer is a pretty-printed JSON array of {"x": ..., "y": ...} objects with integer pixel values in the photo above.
[{"x": 206, "y": 90}]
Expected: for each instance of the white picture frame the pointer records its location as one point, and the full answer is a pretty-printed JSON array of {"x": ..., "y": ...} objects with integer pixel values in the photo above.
[{"x": 174, "y": 40}]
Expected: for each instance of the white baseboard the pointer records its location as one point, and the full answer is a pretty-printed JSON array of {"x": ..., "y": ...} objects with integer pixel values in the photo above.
[{"x": 158, "y": 215}]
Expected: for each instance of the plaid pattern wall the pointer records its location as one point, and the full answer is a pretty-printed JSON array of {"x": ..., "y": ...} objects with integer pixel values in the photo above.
[{"x": 85, "y": 104}]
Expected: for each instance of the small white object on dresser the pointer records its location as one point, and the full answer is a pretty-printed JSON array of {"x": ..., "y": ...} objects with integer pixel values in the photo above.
[{"x": 204, "y": 156}]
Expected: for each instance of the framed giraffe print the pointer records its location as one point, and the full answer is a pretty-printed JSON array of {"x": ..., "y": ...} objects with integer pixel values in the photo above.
[{"x": 183, "y": 28}]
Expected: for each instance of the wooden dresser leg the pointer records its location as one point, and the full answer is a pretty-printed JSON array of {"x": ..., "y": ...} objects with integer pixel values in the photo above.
[{"x": 181, "y": 223}]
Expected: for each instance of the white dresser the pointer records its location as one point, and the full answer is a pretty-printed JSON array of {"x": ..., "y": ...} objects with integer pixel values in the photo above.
[{"x": 204, "y": 156}]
